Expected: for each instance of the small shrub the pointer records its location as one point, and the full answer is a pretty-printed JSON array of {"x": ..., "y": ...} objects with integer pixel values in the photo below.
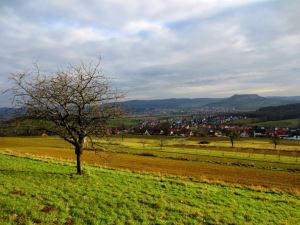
[
  {"x": 147, "y": 154},
  {"x": 203, "y": 142}
]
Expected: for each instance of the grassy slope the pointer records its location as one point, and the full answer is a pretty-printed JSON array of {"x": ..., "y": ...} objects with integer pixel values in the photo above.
[
  {"x": 43, "y": 192},
  {"x": 291, "y": 123}
]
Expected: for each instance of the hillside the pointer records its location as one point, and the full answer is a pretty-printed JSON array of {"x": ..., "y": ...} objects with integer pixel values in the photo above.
[
  {"x": 235, "y": 103},
  {"x": 283, "y": 112},
  {"x": 140, "y": 106},
  {"x": 289, "y": 98},
  {"x": 291, "y": 123},
  {"x": 7, "y": 113},
  {"x": 44, "y": 192},
  {"x": 272, "y": 116},
  {"x": 249, "y": 102}
]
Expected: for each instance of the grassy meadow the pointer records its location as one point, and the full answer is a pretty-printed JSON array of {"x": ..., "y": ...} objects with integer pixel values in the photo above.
[
  {"x": 149, "y": 180},
  {"x": 46, "y": 192},
  {"x": 248, "y": 149},
  {"x": 291, "y": 123}
]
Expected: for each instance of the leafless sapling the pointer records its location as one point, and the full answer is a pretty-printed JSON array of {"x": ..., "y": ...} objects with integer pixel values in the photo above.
[{"x": 275, "y": 140}]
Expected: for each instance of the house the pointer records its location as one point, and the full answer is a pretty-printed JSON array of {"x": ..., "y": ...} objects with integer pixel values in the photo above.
[
  {"x": 282, "y": 132},
  {"x": 296, "y": 138},
  {"x": 244, "y": 135},
  {"x": 260, "y": 132}
]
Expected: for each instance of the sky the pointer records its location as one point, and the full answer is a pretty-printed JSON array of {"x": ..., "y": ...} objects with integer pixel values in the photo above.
[{"x": 160, "y": 48}]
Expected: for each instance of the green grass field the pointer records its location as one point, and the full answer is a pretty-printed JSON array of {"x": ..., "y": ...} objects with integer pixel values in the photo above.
[
  {"x": 244, "y": 149},
  {"x": 44, "y": 192},
  {"x": 291, "y": 123},
  {"x": 255, "y": 143}
]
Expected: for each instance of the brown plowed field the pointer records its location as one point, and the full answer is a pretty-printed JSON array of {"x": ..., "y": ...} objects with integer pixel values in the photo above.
[{"x": 198, "y": 170}]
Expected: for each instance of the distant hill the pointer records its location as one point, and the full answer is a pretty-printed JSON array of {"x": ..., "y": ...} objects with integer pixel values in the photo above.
[
  {"x": 235, "y": 103},
  {"x": 289, "y": 98},
  {"x": 141, "y": 106},
  {"x": 8, "y": 113},
  {"x": 250, "y": 102}
]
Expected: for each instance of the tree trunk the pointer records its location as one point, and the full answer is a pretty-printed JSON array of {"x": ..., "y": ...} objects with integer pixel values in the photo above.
[{"x": 78, "y": 154}]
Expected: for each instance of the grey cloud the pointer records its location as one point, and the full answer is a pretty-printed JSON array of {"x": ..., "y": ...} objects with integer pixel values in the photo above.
[{"x": 160, "y": 52}]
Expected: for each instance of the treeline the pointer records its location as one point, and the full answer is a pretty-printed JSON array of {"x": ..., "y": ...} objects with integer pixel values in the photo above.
[
  {"x": 271, "y": 113},
  {"x": 20, "y": 127}
]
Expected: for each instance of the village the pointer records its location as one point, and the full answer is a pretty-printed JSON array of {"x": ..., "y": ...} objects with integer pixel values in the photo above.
[{"x": 216, "y": 126}]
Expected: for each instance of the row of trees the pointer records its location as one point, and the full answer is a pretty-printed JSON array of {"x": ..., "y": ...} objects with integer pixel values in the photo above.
[{"x": 234, "y": 136}]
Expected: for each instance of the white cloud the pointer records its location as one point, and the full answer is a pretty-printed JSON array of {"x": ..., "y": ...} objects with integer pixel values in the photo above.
[{"x": 135, "y": 27}]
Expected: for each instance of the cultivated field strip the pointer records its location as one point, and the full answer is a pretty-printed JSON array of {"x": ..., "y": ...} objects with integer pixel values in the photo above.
[{"x": 53, "y": 148}]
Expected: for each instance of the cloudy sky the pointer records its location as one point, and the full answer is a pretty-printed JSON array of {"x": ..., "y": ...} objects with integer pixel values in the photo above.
[{"x": 160, "y": 48}]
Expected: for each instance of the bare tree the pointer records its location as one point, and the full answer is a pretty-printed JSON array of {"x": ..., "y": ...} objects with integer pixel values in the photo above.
[
  {"x": 275, "y": 140},
  {"x": 143, "y": 142},
  {"x": 74, "y": 103},
  {"x": 182, "y": 142},
  {"x": 232, "y": 137},
  {"x": 162, "y": 143}
]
